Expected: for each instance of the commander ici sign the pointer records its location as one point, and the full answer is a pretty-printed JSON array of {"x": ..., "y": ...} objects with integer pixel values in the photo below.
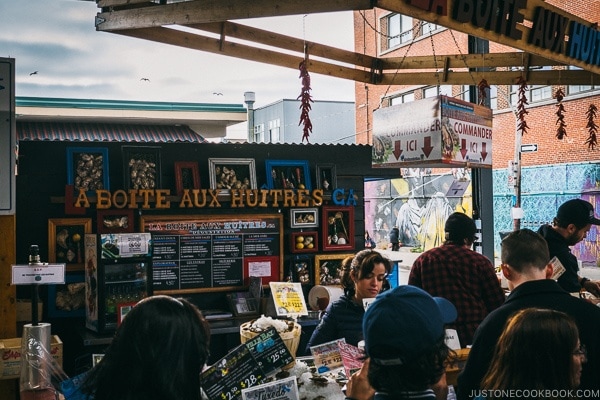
[{"x": 434, "y": 132}]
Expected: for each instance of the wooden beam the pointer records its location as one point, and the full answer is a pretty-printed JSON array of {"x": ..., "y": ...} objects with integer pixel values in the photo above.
[{"x": 8, "y": 294}]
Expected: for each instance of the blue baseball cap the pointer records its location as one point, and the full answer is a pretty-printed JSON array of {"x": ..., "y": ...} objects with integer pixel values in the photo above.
[{"x": 403, "y": 323}]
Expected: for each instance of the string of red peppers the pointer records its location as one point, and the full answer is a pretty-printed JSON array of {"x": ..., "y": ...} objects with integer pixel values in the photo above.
[
  {"x": 561, "y": 131},
  {"x": 482, "y": 94},
  {"x": 521, "y": 103},
  {"x": 591, "y": 113},
  {"x": 305, "y": 100}
]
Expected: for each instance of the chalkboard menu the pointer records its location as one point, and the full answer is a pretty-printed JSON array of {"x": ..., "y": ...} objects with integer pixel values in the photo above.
[{"x": 211, "y": 253}]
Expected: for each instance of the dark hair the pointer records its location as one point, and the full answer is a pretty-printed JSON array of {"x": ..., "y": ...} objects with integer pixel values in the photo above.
[
  {"x": 458, "y": 227},
  {"x": 362, "y": 264},
  {"x": 523, "y": 249},
  {"x": 416, "y": 375},
  {"x": 158, "y": 352},
  {"x": 534, "y": 352}
]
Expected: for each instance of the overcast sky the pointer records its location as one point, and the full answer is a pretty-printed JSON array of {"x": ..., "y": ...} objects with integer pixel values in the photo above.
[{"x": 58, "y": 39}]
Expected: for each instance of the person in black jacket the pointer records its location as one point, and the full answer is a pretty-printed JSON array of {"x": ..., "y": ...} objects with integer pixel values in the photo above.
[
  {"x": 363, "y": 276},
  {"x": 573, "y": 221},
  {"x": 525, "y": 264}
]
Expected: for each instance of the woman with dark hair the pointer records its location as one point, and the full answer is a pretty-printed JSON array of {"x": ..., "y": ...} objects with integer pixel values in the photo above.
[
  {"x": 538, "y": 350},
  {"x": 158, "y": 352},
  {"x": 363, "y": 277}
]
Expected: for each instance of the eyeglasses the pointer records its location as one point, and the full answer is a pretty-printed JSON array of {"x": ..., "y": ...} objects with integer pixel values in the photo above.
[{"x": 581, "y": 351}]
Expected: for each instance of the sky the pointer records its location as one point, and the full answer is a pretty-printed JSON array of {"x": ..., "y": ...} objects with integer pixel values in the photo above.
[{"x": 58, "y": 39}]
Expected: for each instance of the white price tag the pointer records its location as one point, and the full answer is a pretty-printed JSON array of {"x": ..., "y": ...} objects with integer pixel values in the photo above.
[{"x": 38, "y": 274}]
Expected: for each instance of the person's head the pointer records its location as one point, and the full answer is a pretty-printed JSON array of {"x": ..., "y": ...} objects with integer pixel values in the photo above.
[
  {"x": 158, "y": 352},
  {"x": 538, "y": 349},
  {"x": 460, "y": 229},
  {"x": 364, "y": 274},
  {"x": 525, "y": 256},
  {"x": 404, "y": 339},
  {"x": 574, "y": 219}
]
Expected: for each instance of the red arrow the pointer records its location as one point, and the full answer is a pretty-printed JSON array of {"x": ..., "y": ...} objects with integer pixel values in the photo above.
[
  {"x": 427, "y": 147},
  {"x": 483, "y": 152},
  {"x": 397, "y": 151},
  {"x": 463, "y": 147}
]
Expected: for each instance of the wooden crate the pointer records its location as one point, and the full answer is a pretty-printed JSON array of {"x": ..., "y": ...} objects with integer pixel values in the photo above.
[{"x": 10, "y": 354}]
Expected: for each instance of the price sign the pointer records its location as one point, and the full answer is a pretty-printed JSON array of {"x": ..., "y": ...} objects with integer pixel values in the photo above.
[
  {"x": 43, "y": 274},
  {"x": 288, "y": 298},
  {"x": 281, "y": 389},
  {"x": 270, "y": 351}
]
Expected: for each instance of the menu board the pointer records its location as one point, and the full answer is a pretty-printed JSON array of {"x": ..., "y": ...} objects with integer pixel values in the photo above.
[{"x": 213, "y": 252}]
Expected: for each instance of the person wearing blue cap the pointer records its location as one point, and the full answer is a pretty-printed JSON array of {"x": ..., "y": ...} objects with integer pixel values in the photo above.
[
  {"x": 571, "y": 225},
  {"x": 404, "y": 332}
]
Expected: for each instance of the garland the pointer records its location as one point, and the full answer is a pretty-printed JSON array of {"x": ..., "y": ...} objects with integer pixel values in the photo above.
[
  {"x": 591, "y": 113},
  {"x": 561, "y": 131}
]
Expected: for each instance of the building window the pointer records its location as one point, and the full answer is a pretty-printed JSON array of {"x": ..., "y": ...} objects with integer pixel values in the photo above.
[
  {"x": 572, "y": 89},
  {"x": 274, "y": 131},
  {"x": 403, "y": 98},
  {"x": 428, "y": 28},
  {"x": 432, "y": 91},
  {"x": 400, "y": 30},
  {"x": 259, "y": 133},
  {"x": 535, "y": 93}
]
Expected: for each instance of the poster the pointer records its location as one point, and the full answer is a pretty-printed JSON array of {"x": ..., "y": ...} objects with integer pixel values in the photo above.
[{"x": 288, "y": 298}]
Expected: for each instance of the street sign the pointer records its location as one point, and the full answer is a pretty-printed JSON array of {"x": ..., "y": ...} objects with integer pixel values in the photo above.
[{"x": 529, "y": 148}]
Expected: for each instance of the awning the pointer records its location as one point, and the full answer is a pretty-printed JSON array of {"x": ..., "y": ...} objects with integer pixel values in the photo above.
[{"x": 101, "y": 132}]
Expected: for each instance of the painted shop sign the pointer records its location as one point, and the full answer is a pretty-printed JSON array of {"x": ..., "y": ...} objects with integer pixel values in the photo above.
[{"x": 438, "y": 131}]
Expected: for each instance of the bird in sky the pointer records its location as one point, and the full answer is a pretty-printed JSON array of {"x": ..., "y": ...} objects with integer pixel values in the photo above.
[
  {"x": 218, "y": 94},
  {"x": 145, "y": 79},
  {"x": 33, "y": 73}
]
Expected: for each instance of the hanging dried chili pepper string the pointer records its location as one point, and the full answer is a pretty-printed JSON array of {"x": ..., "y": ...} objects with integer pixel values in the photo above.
[
  {"x": 305, "y": 97},
  {"x": 592, "y": 127},
  {"x": 483, "y": 84},
  {"x": 561, "y": 131},
  {"x": 521, "y": 103}
]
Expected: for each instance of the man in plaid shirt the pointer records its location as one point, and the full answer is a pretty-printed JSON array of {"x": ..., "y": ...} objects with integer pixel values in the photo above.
[{"x": 457, "y": 273}]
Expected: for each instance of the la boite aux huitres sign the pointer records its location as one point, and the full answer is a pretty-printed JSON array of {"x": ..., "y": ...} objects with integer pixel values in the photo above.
[{"x": 434, "y": 132}]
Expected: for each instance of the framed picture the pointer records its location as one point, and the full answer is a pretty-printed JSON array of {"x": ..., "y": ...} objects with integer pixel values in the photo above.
[
  {"x": 304, "y": 218},
  {"x": 232, "y": 173},
  {"x": 288, "y": 174},
  {"x": 304, "y": 242},
  {"x": 187, "y": 176},
  {"x": 337, "y": 228},
  {"x": 67, "y": 300},
  {"x": 115, "y": 221},
  {"x": 65, "y": 241},
  {"x": 328, "y": 268},
  {"x": 326, "y": 177},
  {"x": 141, "y": 167},
  {"x": 87, "y": 169},
  {"x": 301, "y": 269}
]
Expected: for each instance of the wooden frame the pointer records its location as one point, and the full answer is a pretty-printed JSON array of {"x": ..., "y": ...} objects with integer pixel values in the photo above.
[
  {"x": 87, "y": 168},
  {"x": 68, "y": 299},
  {"x": 141, "y": 167},
  {"x": 333, "y": 262},
  {"x": 232, "y": 173},
  {"x": 304, "y": 218},
  {"x": 337, "y": 228},
  {"x": 187, "y": 176},
  {"x": 115, "y": 221},
  {"x": 288, "y": 174},
  {"x": 65, "y": 241},
  {"x": 301, "y": 269},
  {"x": 326, "y": 177},
  {"x": 304, "y": 242}
]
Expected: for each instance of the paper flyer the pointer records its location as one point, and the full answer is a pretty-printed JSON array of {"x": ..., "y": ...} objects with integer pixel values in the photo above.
[
  {"x": 283, "y": 389},
  {"x": 352, "y": 358},
  {"x": 327, "y": 356},
  {"x": 288, "y": 298},
  {"x": 557, "y": 268}
]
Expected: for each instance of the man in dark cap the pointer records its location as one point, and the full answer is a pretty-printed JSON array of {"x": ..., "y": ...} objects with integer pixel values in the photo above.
[
  {"x": 404, "y": 330},
  {"x": 573, "y": 221},
  {"x": 461, "y": 275}
]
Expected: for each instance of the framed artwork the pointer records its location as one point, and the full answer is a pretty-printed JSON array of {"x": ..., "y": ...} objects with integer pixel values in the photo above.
[
  {"x": 326, "y": 177},
  {"x": 67, "y": 300},
  {"x": 301, "y": 269},
  {"x": 232, "y": 173},
  {"x": 65, "y": 241},
  {"x": 288, "y": 174},
  {"x": 141, "y": 167},
  {"x": 115, "y": 221},
  {"x": 304, "y": 218},
  {"x": 187, "y": 176},
  {"x": 337, "y": 228},
  {"x": 87, "y": 169},
  {"x": 328, "y": 268},
  {"x": 304, "y": 242}
]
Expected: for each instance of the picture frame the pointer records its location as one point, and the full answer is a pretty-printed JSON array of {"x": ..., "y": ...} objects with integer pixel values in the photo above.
[
  {"x": 115, "y": 221},
  {"x": 301, "y": 269},
  {"x": 65, "y": 241},
  {"x": 337, "y": 228},
  {"x": 326, "y": 177},
  {"x": 304, "y": 242},
  {"x": 328, "y": 268},
  {"x": 232, "y": 173},
  {"x": 87, "y": 169},
  {"x": 288, "y": 174},
  {"x": 187, "y": 176},
  {"x": 304, "y": 218},
  {"x": 67, "y": 300},
  {"x": 141, "y": 167}
]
